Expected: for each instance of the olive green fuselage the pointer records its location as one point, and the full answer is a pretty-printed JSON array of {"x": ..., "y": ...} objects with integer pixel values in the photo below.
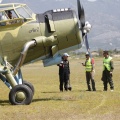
[{"x": 63, "y": 25}]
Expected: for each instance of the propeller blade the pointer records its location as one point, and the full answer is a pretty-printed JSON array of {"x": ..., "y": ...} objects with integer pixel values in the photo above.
[
  {"x": 79, "y": 8},
  {"x": 81, "y": 14},
  {"x": 82, "y": 18},
  {"x": 87, "y": 45}
]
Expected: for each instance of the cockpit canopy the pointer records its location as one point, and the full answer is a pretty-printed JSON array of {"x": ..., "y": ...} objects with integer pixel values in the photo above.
[{"x": 15, "y": 10}]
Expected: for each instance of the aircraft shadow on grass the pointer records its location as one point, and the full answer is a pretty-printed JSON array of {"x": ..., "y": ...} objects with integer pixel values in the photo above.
[
  {"x": 54, "y": 99},
  {"x": 51, "y": 92},
  {"x": 47, "y": 99},
  {"x": 4, "y": 102}
]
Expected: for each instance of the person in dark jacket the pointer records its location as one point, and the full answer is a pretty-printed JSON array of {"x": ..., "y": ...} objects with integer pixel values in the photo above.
[{"x": 64, "y": 73}]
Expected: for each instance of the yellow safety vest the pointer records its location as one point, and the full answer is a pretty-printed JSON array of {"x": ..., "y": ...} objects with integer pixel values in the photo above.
[
  {"x": 106, "y": 63},
  {"x": 88, "y": 65}
]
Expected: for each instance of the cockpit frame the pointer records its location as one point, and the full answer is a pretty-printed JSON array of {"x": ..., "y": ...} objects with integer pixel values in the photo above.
[{"x": 21, "y": 13}]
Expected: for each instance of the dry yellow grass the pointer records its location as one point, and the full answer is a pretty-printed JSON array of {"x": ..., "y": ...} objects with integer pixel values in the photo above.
[{"x": 49, "y": 104}]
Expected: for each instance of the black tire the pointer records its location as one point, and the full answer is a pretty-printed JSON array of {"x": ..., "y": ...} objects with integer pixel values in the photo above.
[
  {"x": 30, "y": 86},
  {"x": 20, "y": 88}
]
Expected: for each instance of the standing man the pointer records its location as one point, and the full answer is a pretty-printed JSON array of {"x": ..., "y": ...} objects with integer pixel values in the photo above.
[
  {"x": 89, "y": 68},
  {"x": 64, "y": 72},
  {"x": 107, "y": 71},
  {"x": 61, "y": 68}
]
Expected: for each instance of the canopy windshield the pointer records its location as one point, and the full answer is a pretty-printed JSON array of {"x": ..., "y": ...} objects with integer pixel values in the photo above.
[{"x": 20, "y": 10}]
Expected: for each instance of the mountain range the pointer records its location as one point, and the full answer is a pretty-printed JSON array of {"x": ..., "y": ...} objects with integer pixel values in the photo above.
[{"x": 103, "y": 15}]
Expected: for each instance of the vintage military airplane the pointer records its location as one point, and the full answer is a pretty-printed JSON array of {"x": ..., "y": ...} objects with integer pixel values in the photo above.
[{"x": 28, "y": 37}]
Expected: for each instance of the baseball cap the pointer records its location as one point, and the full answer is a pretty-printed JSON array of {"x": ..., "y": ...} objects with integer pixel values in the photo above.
[
  {"x": 87, "y": 53},
  {"x": 66, "y": 54}
]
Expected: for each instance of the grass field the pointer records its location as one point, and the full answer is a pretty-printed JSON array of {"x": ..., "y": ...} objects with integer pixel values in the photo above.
[{"x": 50, "y": 104}]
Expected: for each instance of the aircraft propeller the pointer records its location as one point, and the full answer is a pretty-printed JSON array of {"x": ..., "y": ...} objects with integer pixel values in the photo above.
[{"x": 85, "y": 26}]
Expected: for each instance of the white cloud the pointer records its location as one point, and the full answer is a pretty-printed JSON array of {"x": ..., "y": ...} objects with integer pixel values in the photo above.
[
  {"x": 0, "y": 1},
  {"x": 110, "y": 44}
]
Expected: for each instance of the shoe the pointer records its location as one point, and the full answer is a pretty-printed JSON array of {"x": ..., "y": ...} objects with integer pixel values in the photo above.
[
  {"x": 70, "y": 88},
  {"x": 61, "y": 90},
  {"x": 104, "y": 90},
  {"x": 66, "y": 89},
  {"x": 88, "y": 90},
  {"x": 111, "y": 90},
  {"x": 94, "y": 90}
]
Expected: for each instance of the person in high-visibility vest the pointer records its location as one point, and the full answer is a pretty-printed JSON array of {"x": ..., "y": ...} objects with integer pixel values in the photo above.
[
  {"x": 89, "y": 69},
  {"x": 107, "y": 71}
]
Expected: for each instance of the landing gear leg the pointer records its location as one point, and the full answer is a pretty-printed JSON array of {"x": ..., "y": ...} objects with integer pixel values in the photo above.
[
  {"x": 19, "y": 80},
  {"x": 20, "y": 94}
]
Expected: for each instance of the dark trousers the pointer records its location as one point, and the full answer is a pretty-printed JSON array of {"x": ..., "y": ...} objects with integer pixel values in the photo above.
[
  {"x": 107, "y": 78},
  {"x": 63, "y": 81},
  {"x": 89, "y": 76}
]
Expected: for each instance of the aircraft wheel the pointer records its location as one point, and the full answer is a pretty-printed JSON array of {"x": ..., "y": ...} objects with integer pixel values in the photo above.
[
  {"x": 29, "y": 85},
  {"x": 20, "y": 95}
]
